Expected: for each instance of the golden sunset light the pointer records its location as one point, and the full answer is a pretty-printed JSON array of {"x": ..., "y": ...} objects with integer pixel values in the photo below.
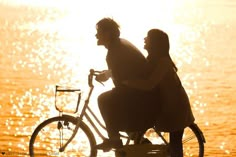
[{"x": 44, "y": 43}]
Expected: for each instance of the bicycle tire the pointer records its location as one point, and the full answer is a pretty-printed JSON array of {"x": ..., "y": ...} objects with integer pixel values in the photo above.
[
  {"x": 200, "y": 138},
  {"x": 44, "y": 142},
  {"x": 193, "y": 140}
]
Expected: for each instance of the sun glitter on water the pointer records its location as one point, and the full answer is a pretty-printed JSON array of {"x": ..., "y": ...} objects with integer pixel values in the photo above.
[{"x": 56, "y": 46}]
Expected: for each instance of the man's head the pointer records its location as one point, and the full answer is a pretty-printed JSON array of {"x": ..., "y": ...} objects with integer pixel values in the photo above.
[{"x": 107, "y": 30}]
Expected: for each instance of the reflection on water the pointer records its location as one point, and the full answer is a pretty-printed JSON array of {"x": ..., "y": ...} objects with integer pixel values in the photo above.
[{"x": 44, "y": 46}]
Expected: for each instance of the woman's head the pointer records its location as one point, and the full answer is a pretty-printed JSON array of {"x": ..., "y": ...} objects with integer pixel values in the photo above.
[
  {"x": 157, "y": 44},
  {"x": 157, "y": 41}
]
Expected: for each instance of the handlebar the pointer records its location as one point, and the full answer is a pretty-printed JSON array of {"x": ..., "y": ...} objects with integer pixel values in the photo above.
[{"x": 93, "y": 73}]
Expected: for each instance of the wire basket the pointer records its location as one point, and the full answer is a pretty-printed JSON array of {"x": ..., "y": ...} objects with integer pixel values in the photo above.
[{"x": 67, "y": 99}]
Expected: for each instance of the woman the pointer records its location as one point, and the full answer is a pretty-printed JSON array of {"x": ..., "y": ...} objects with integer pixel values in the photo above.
[{"x": 167, "y": 91}]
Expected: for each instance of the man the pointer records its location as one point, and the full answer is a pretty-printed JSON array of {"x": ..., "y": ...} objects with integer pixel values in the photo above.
[{"x": 118, "y": 106}]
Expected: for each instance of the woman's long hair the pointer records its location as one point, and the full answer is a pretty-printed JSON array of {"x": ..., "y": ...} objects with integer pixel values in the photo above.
[{"x": 159, "y": 46}]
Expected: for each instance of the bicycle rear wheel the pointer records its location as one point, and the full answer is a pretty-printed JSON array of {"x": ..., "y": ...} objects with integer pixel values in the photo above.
[
  {"x": 52, "y": 134},
  {"x": 193, "y": 140}
]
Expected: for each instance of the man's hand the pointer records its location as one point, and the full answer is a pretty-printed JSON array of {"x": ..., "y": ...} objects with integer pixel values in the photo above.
[{"x": 104, "y": 76}]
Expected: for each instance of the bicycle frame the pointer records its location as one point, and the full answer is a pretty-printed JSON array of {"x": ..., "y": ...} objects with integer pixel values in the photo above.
[{"x": 85, "y": 112}]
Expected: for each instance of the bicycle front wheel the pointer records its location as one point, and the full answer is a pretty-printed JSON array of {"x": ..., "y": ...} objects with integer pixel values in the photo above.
[{"x": 52, "y": 134}]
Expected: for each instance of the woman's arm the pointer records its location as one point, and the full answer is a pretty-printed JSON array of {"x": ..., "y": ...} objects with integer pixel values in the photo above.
[{"x": 154, "y": 79}]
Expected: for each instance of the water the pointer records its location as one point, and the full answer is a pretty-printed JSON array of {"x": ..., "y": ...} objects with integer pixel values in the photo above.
[{"x": 47, "y": 43}]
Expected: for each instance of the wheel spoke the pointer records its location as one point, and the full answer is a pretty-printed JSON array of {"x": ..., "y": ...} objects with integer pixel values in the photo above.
[{"x": 190, "y": 137}]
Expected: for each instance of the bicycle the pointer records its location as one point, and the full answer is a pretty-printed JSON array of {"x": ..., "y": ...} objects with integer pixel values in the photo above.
[{"x": 70, "y": 135}]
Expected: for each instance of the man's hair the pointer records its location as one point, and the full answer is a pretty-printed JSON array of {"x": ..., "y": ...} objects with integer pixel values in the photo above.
[{"x": 109, "y": 25}]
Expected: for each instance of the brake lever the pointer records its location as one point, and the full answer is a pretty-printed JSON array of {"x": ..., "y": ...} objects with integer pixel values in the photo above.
[
  {"x": 97, "y": 80},
  {"x": 101, "y": 82}
]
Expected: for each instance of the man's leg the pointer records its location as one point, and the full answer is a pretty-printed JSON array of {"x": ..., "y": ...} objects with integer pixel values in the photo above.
[
  {"x": 105, "y": 106},
  {"x": 105, "y": 102}
]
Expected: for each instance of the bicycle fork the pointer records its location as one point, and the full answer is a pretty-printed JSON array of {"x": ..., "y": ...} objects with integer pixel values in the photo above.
[
  {"x": 63, "y": 147},
  {"x": 78, "y": 122}
]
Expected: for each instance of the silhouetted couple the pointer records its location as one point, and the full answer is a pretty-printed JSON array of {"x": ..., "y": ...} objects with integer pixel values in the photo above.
[{"x": 147, "y": 91}]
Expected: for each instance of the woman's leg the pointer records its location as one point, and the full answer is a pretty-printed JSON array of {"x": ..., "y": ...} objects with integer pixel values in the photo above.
[{"x": 176, "y": 147}]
